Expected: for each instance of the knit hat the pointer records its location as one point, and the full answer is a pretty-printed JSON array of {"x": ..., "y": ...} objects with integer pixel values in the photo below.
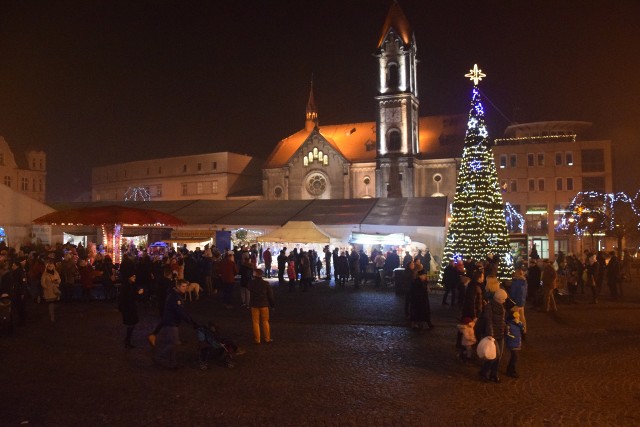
[{"x": 500, "y": 296}]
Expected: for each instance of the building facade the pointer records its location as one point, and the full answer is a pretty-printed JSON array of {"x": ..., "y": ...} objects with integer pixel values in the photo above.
[
  {"x": 26, "y": 175},
  {"x": 400, "y": 154},
  {"x": 541, "y": 167},
  {"x": 212, "y": 176}
]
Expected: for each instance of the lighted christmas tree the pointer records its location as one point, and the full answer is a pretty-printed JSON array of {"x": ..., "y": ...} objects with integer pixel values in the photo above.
[{"x": 478, "y": 227}]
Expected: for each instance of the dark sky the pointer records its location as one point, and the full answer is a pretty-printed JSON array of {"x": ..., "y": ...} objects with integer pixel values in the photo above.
[{"x": 100, "y": 82}]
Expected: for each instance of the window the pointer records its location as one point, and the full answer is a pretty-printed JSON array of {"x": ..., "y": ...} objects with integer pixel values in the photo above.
[
  {"x": 392, "y": 76},
  {"x": 214, "y": 165},
  {"x": 513, "y": 160},
  {"x": 530, "y": 160},
  {"x": 214, "y": 187},
  {"x": 159, "y": 190},
  {"x": 7, "y": 181},
  {"x": 541, "y": 184},
  {"x": 593, "y": 183},
  {"x": 184, "y": 168},
  {"x": 393, "y": 140},
  {"x": 568, "y": 158},
  {"x": 569, "y": 184},
  {"x": 148, "y": 171},
  {"x": 199, "y": 188},
  {"x": 316, "y": 184},
  {"x": 532, "y": 185},
  {"x": 159, "y": 170},
  {"x": 277, "y": 192},
  {"x": 503, "y": 161},
  {"x": 184, "y": 189},
  {"x": 33, "y": 163},
  {"x": 540, "y": 159},
  {"x": 366, "y": 180},
  {"x": 558, "y": 159},
  {"x": 513, "y": 186},
  {"x": 41, "y": 164},
  {"x": 24, "y": 184},
  {"x": 2, "y": 159},
  {"x": 558, "y": 184},
  {"x": 33, "y": 185},
  {"x": 504, "y": 185},
  {"x": 199, "y": 167},
  {"x": 593, "y": 160}
]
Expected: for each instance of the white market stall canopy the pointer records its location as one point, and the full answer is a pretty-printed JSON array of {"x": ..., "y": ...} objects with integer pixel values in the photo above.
[{"x": 297, "y": 232}]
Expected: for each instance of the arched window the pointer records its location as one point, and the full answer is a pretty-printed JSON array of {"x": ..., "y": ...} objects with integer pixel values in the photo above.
[
  {"x": 393, "y": 78},
  {"x": 394, "y": 141}
]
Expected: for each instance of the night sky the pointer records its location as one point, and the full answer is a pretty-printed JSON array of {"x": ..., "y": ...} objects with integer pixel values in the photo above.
[{"x": 100, "y": 82}]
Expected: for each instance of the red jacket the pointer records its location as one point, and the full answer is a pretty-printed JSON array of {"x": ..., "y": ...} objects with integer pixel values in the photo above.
[{"x": 228, "y": 270}]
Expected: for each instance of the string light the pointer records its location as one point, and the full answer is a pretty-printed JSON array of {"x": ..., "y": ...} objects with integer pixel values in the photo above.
[
  {"x": 478, "y": 225},
  {"x": 515, "y": 221}
]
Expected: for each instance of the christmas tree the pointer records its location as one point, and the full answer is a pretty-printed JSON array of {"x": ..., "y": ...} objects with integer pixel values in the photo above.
[{"x": 478, "y": 228}]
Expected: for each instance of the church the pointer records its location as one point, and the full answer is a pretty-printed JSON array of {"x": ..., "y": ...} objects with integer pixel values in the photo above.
[{"x": 399, "y": 155}]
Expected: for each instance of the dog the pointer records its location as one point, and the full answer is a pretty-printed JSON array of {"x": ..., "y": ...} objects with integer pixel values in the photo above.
[{"x": 193, "y": 288}]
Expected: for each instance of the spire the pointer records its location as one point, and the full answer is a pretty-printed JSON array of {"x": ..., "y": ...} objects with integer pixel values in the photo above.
[
  {"x": 397, "y": 21},
  {"x": 312, "y": 112}
]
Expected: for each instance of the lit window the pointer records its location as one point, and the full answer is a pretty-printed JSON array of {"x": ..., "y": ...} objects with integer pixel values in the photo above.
[
  {"x": 214, "y": 187},
  {"x": 568, "y": 157},
  {"x": 315, "y": 152},
  {"x": 305, "y": 161},
  {"x": 503, "y": 161},
  {"x": 310, "y": 156},
  {"x": 326, "y": 160},
  {"x": 503, "y": 186}
]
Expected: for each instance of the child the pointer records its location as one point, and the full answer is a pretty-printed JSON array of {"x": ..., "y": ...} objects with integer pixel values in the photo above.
[
  {"x": 468, "y": 338},
  {"x": 212, "y": 343},
  {"x": 513, "y": 337}
]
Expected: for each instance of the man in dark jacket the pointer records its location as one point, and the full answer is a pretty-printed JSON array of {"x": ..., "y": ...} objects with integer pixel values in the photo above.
[
  {"x": 174, "y": 314},
  {"x": 282, "y": 265},
  {"x": 261, "y": 301},
  {"x": 613, "y": 274},
  {"x": 451, "y": 283},
  {"x": 18, "y": 289}
]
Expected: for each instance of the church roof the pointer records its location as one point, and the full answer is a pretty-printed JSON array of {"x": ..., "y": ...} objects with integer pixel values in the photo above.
[
  {"x": 439, "y": 136},
  {"x": 399, "y": 22}
]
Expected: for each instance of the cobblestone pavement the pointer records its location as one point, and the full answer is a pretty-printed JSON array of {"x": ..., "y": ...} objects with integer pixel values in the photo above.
[{"x": 341, "y": 357}]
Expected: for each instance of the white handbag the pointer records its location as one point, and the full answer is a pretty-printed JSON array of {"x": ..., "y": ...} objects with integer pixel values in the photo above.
[{"x": 487, "y": 348}]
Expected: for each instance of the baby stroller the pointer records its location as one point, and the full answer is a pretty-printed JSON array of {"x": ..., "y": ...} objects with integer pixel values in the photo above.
[
  {"x": 212, "y": 345},
  {"x": 6, "y": 322}
]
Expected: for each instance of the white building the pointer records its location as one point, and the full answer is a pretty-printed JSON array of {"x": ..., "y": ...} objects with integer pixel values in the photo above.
[
  {"x": 212, "y": 176},
  {"x": 27, "y": 174}
]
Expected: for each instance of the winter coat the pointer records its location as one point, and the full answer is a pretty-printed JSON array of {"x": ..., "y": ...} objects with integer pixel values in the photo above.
[
  {"x": 549, "y": 277},
  {"x": 518, "y": 292},
  {"x": 514, "y": 335},
  {"x": 420, "y": 310},
  {"x": 493, "y": 317},
  {"x": 261, "y": 293},
  {"x": 468, "y": 333},
  {"x": 472, "y": 302},
  {"x": 50, "y": 283},
  {"x": 127, "y": 305}
]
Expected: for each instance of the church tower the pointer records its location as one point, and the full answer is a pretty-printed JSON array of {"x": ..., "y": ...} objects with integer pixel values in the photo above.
[
  {"x": 311, "y": 121},
  {"x": 397, "y": 107}
]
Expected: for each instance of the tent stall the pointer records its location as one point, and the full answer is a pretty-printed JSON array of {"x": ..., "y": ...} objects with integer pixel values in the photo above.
[{"x": 297, "y": 232}]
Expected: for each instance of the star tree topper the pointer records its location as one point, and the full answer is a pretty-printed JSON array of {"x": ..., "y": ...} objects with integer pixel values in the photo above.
[{"x": 475, "y": 74}]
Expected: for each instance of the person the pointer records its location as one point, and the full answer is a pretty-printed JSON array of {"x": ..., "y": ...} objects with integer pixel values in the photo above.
[
  {"x": 407, "y": 259},
  {"x": 50, "y": 284},
  {"x": 451, "y": 283},
  {"x": 291, "y": 273},
  {"x": 228, "y": 271},
  {"x": 379, "y": 262},
  {"x": 261, "y": 301},
  {"x": 86, "y": 279},
  {"x": 246, "y": 270},
  {"x": 169, "y": 337},
  {"x": 420, "y": 310},
  {"x": 534, "y": 274},
  {"x": 409, "y": 274},
  {"x": 306, "y": 276},
  {"x": 35, "y": 268},
  {"x": 107, "y": 278},
  {"x": 592, "y": 270},
  {"x": 128, "y": 294},
  {"x": 327, "y": 262},
  {"x": 549, "y": 285},
  {"x": 267, "y": 258},
  {"x": 427, "y": 261},
  {"x": 466, "y": 329},
  {"x": 163, "y": 285},
  {"x": 354, "y": 267},
  {"x": 18, "y": 289},
  {"x": 282, "y": 265},
  {"x": 518, "y": 293},
  {"x": 613, "y": 274},
  {"x": 515, "y": 333},
  {"x": 342, "y": 269},
  {"x": 494, "y": 326},
  {"x": 68, "y": 274}
]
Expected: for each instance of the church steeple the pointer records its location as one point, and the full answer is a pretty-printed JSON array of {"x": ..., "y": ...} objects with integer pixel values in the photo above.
[{"x": 312, "y": 111}]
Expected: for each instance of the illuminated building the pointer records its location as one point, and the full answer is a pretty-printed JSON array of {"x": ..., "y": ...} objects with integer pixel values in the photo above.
[
  {"x": 542, "y": 166},
  {"x": 26, "y": 175}
]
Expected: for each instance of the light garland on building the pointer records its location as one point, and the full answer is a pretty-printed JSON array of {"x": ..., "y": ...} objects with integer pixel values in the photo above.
[
  {"x": 478, "y": 226},
  {"x": 515, "y": 221},
  {"x": 137, "y": 194},
  {"x": 537, "y": 139}
]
